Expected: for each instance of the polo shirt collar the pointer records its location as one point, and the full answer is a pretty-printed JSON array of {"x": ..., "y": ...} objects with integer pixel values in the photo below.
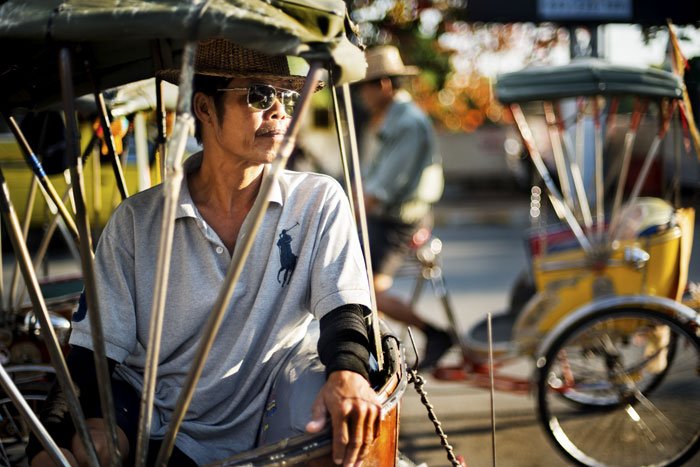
[{"x": 186, "y": 206}]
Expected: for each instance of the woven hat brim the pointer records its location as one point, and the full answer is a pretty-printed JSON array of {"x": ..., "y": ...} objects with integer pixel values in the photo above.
[{"x": 295, "y": 83}]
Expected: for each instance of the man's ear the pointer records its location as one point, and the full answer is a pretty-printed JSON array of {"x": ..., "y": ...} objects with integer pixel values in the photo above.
[
  {"x": 386, "y": 85},
  {"x": 202, "y": 107}
]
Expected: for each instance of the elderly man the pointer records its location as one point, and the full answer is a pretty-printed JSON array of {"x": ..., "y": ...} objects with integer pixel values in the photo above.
[
  {"x": 305, "y": 273},
  {"x": 402, "y": 179}
]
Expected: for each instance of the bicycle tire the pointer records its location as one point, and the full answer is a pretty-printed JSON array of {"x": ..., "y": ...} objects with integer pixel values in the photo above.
[{"x": 649, "y": 417}]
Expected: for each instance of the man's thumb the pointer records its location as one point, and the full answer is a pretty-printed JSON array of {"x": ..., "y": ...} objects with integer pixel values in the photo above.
[{"x": 319, "y": 415}]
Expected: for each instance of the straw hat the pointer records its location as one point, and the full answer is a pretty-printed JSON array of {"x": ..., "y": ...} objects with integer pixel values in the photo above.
[
  {"x": 385, "y": 61},
  {"x": 221, "y": 57}
]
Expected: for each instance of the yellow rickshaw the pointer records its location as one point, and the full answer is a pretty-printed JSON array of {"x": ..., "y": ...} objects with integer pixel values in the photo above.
[{"x": 611, "y": 327}]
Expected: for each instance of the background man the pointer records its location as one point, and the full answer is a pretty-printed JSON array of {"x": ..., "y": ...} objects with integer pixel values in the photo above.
[{"x": 403, "y": 176}]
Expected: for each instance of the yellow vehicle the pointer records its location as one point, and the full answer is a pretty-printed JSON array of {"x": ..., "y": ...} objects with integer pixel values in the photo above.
[{"x": 612, "y": 335}]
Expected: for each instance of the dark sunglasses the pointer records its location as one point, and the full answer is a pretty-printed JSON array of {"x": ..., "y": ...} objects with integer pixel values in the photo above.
[{"x": 262, "y": 96}]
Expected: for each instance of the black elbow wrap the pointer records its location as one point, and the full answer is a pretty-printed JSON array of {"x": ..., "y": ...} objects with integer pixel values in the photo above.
[{"x": 344, "y": 344}]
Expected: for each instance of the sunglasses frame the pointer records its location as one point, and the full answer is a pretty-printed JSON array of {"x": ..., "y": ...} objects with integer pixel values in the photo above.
[{"x": 278, "y": 94}]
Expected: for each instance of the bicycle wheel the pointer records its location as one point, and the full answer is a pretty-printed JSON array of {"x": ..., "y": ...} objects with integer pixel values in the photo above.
[{"x": 635, "y": 378}]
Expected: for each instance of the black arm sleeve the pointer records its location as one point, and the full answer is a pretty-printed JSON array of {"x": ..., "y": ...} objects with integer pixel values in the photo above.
[
  {"x": 55, "y": 414},
  {"x": 344, "y": 344}
]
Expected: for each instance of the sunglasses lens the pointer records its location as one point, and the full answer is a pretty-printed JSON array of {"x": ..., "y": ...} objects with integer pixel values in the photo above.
[
  {"x": 261, "y": 97},
  {"x": 289, "y": 100}
]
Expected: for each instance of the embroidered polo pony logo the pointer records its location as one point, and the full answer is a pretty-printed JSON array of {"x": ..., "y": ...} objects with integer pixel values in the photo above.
[{"x": 288, "y": 260}]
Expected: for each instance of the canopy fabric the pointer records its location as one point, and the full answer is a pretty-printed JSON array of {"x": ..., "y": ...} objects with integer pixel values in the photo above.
[
  {"x": 585, "y": 77},
  {"x": 120, "y": 38}
]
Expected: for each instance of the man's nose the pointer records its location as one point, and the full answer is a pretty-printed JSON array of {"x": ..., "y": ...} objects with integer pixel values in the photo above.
[{"x": 277, "y": 111}]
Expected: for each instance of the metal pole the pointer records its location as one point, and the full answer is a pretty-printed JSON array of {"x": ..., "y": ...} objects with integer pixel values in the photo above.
[
  {"x": 555, "y": 196},
  {"x": 35, "y": 165},
  {"x": 237, "y": 262},
  {"x": 579, "y": 187},
  {"x": 86, "y": 256},
  {"x": 376, "y": 340},
  {"x": 109, "y": 142},
  {"x": 42, "y": 313},
  {"x": 161, "y": 125},
  {"x": 28, "y": 415},
  {"x": 598, "y": 157},
  {"x": 29, "y": 208},
  {"x": 171, "y": 188},
  {"x": 640, "y": 108},
  {"x": 491, "y": 389},
  {"x": 558, "y": 151},
  {"x": 340, "y": 127}
]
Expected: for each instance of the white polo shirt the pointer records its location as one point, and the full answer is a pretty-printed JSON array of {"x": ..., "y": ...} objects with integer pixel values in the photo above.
[{"x": 308, "y": 218}]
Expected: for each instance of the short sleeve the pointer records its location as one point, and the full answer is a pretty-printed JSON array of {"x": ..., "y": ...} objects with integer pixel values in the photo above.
[
  {"x": 338, "y": 272},
  {"x": 114, "y": 278}
]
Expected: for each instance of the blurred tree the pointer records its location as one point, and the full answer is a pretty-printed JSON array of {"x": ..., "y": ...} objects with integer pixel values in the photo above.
[{"x": 458, "y": 59}]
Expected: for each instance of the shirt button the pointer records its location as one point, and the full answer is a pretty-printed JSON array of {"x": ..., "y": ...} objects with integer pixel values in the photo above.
[{"x": 219, "y": 250}]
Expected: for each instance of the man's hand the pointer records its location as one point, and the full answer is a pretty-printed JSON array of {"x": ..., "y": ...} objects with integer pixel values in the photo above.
[
  {"x": 99, "y": 433},
  {"x": 355, "y": 416},
  {"x": 78, "y": 457},
  {"x": 43, "y": 459}
]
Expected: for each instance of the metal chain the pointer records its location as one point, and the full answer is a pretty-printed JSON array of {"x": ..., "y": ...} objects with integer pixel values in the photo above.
[{"x": 418, "y": 382}]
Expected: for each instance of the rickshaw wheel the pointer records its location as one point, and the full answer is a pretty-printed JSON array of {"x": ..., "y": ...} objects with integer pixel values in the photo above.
[{"x": 634, "y": 379}]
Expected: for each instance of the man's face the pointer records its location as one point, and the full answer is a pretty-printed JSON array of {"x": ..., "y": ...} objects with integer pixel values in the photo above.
[
  {"x": 376, "y": 94},
  {"x": 246, "y": 133}
]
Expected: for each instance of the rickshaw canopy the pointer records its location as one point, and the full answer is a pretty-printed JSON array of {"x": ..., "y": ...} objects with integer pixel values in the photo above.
[
  {"x": 585, "y": 77},
  {"x": 128, "y": 40}
]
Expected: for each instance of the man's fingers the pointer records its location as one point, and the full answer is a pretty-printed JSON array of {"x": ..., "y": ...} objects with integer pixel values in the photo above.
[
  {"x": 341, "y": 436},
  {"x": 371, "y": 431},
  {"x": 356, "y": 422}
]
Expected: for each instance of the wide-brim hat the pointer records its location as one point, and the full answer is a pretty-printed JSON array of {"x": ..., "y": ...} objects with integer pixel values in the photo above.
[
  {"x": 385, "y": 61},
  {"x": 223, "y": 58}
]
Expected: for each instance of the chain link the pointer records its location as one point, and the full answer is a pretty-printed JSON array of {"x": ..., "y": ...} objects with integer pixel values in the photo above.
[{"x": 418, "y": 382}]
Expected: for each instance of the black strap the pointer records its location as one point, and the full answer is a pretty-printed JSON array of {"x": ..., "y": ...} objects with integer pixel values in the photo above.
[{"x": 344, "y": 343}]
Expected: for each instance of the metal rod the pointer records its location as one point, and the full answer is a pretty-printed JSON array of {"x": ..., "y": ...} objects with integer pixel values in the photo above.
[
  {"x": 29, "y": 209},
  {"x": 28, "y": 415},
  {"x": 109, "y": 143},
  {"x": 653, "y": 151},
  {"x": 376, "y": 340},
  {"x": 558, "y": 151},
  {"x": 55, "y": 222},
  {"x": 161, "y": 126},
  {"x": 38, "y": 169},
  {"x": 42, "y": 313},
  {"x": 171, "y": 188},
  {"x": 141, "y": 143},
  {"x": 574, "y": 166},
  {"x": 491, "y": 389},
  {"x": 237, "y": 262},
  {"x": 536, "y": 157},
  {"x": 580, "y": 154},
  {"x": 640, "y": 108},
  {"x": 598, "y": 170},
  {"x": 437, "y": 280},
  {"x": 646, "y": 165},
  {"x": 86, "y": 256},
  {"x": 340, "y": 127}
]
